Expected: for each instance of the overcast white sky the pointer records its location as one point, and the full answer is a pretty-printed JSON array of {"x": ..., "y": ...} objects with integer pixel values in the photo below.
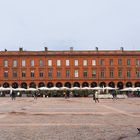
[{"x": 60, "y": 24}]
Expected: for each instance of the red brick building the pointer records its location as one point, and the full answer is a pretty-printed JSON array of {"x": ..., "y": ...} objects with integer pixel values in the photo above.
[{"x": 115, "y": 68}]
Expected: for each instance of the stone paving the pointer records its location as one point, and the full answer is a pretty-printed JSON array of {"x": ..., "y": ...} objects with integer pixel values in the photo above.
[{"x": 69, "y": 119}]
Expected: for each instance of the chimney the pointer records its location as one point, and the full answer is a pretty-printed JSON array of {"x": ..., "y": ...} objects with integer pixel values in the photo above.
[
  {"x": 20, "y": 49},
  {"x": 122, "y": 49},
  {"x": 71, "y": 48},
  {"x": 46, "y": 49},
  {"x": 96, "y": 48}
]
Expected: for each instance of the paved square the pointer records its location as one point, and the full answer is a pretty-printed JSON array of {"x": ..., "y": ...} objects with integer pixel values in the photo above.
[{"x": 69, "y": 119}]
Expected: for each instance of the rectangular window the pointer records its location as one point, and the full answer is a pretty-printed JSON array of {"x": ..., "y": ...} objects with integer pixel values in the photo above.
[
  {"x": 67, "y": 73},
  {"x": 23, "y": 74},
  {"x": 85, "y": 74},
  {"x": 111, "y": 73},
  {"x": 137, "y": 73},
  {"x": 137, "y": 62},
  {"x": 58, "y": 63},
  {"x": 23, "y": 63},
  {"x": 67, "y": 62},
  {"x": 14, "y": 74},
  {"x": 128, "y": 62},
  {"x": 50, "y": 63},
  {"x": 93, "y": 73},
  {"x": 41, "y": 74},
  {"x": 76, "y": 62},
  {"x": 5, "y": 63},
  {"x": 102, "y": 74},
  {"x": 93, "y": 62},
  {"x": 75, "y": 73},
  {"x": 32, "y": 74},
  {"x": 5, "y": 74},
  {"x": 41, "y": 63},
  {"x": 128, "y": 74},
  {"x": 111, "y": 62},
  {"x": 32, "y": 63},
  {"x": 58, "y": 74},
  {"x": 119, "y": 62},
  {"x": 14, "y": 63},
  {"x": 50, "y": 73},
  {"x": 102, "y": 62},
  {"x": 85, "y": 62},
  {"x": 120, "y": 73}
]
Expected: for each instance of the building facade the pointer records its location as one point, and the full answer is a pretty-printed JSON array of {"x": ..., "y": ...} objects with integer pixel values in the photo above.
[{"x": 114, "y": 68}]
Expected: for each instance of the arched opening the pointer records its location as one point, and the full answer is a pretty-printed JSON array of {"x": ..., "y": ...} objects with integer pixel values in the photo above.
[
  {"x": 137, "y": 84},
  {"x": 41, "y": 84},
  {"x": 59, "y": 84},
  {"x": 67, "y": 84},
  {"x": 120, "y": 85},
  {"x": 111, "y": 84},
  {"x": 102, "y": 84},
  {"x": 32, "y": 85},
  {"x": 93, "y": 84},
  {"x": 76, "y": 84},
  {"x": 14, "y": 85},
  {"x": 50, "y": 84},
  {"x": 6, "y": 85},
  {"x": 128, "y": 84},
  {"x": 85, "y": 84},
  {"x": 24, "y": 85}
]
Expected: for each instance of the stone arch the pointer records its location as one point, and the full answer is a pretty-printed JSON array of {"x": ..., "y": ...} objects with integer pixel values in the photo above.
[
  {"x": 50, "y": 84},
  {"x": 76, "y": 84},
  {"x": 120, "y": 85},
  {"x": 6, "y": 85},
  {"x": 32, "y": 85},
  {"x": 85, "y": 84},
  {"x": 93, "y": 84},
  {"x": 137, "y": 84},
  {"x": 111, "y": 84},
  {"x": 102, "y": 84},
  {"x": 128, "y": 84},
  {"x": 24, "y": 85},
  {"x": 41, "y": 84},
  {"x": 59, "y": 84},
  {"x": 15, "y": 85},
  {"x": 67, "y": 84}
]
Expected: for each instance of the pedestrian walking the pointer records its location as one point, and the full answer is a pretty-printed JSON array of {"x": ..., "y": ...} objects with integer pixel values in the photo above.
[
  {"x": 114, "y": 94},
  {"x": 13, "y": 95},
  {"x": 65, "y": 95},
  {"x": 96, "y": 97},
  {"x": 35, "y": 95}
]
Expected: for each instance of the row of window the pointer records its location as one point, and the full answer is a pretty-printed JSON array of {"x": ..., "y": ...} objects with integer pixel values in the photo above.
[
  {"x": 76, "y": 74},
  {"x": 76, "y": 62}
]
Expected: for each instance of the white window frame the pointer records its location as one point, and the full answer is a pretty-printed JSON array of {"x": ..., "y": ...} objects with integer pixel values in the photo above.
[
  {"x": 14, "y": 63},
  {"x": 5, "y": 63},
  {"x": 23, "y": 63},
  {"x": 32, "y": 63},
  {"x": 85, "y": 62},
  {"x": 76, "y": 73},
  {"x": 75, "y": 62},
  {"x": 50, "y": 62},
  {"x": 58, "y": 63},
  {"x": 67, "y": 62},
  {"x": 93, "y": 62}
]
